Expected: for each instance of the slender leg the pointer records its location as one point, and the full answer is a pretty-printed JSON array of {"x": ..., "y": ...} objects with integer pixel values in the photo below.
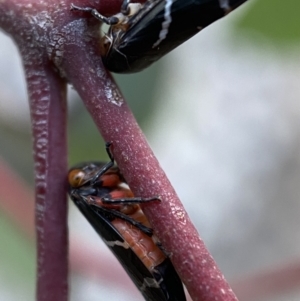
[
  {"x": 107, "y": 20},
  {"x": 148, "y": 231},
  {"x": 109, "y": 153},
  {"x": 130, "y": 201},
  {"x": 106, "y": 167}
]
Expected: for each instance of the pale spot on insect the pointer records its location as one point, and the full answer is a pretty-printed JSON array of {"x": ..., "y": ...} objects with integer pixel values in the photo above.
[
  {"x": 166, "y": 24},
  {"x": 117, "y": 243},
  {"x": 149, "y": 282}
]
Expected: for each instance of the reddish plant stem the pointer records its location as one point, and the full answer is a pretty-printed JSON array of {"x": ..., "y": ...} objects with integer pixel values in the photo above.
[
  {"x": 50, "y": 171},
  {"x": 47, "y": 94},
  {"x": 116, "y": 123},
  {"x": 29, "y": 23}
]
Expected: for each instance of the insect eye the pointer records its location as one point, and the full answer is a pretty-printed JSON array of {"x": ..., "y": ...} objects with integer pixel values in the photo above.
[{"x": 76, "y": 178}]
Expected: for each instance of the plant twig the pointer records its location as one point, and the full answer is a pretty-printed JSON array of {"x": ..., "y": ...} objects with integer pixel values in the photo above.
[
  {"x": 28, "y": 23},
  {"x": 116, "y": 123}
]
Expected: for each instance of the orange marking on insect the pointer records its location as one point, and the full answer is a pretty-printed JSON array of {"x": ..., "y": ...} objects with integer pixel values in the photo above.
[
  {"x": 110, "y": 180},
  {"x": 141, "y": 244}
]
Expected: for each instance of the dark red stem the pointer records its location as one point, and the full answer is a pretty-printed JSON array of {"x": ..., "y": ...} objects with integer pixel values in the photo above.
[
  {"x": 50, "y": 171},
  {"x": 116, "y": 123},
  {"x": 47, "y": 94},
  {"x": 47, "y": 99}
]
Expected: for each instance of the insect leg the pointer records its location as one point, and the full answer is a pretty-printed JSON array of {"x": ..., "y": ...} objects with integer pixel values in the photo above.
[
  {"x": 148, "y": 231},
  {"x": 107, "y": 20},
  {"x": 129, "y": 201},
  {"x": 109, "y": 153},
  {"x": 106, "y": 167}
]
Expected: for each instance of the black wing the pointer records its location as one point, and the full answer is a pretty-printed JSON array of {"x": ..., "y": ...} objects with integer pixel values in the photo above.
[
  {"x": 145, "y": 281},
  {"x": 140, "y": 45}
]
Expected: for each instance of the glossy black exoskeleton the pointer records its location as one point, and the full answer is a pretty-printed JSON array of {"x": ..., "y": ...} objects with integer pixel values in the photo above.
[{"x": 141, "y": 34}]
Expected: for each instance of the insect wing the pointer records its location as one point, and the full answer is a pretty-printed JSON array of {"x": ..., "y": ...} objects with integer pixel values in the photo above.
[
  {"x": 145, "y": 41},
  {"x": 139, "y": 274},
  {"x": 172, "y": 284}
]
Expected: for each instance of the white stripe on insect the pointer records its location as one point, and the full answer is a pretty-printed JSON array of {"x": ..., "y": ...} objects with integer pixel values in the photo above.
[
  {"x": 165, "y": 24},
  {"x": 124, "y": 244},
  {"x": 150, "y": 282}
]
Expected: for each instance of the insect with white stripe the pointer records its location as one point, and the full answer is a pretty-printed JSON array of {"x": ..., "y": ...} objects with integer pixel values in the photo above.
[
  {"x": 100, "y": 193},
  {"x": 142, "y": 33}
]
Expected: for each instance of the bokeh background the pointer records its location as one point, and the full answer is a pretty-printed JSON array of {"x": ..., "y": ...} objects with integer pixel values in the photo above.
[{"x": 221, "y": 113}]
